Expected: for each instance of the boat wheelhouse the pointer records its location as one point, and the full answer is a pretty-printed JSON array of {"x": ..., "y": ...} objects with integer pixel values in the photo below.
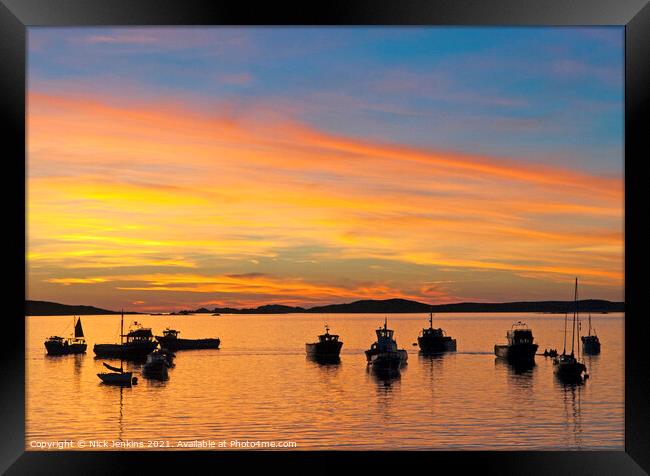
[
  {"x": 327, "y": 347},
  {"x": 520, "y": 346}
]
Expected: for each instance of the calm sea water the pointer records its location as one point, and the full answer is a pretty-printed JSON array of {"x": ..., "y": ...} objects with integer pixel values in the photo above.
[{"x": 260, "y": 387}]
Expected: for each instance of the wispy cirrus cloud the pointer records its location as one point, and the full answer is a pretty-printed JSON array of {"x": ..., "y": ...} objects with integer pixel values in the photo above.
[{"x": 123, "y": 38}]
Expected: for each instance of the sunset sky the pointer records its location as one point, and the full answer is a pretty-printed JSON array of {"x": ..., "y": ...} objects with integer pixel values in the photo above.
[{"x": 172, "y": 168}]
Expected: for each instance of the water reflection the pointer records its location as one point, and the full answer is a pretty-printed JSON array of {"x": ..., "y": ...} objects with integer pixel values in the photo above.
[
  {"x": 78, "y": 363},
  {"x": 515, "y": 367},
  {"x": 121, "y": 418},
  {"x": 156, "y": 376},
  {"x": 569, "y": 380},
  {"x": 113, "y": 404},
  {"x": 324, "y": 361},
  {"x": 592, "y": 362},
  {"x": 432, "y": 365},
  {"x": 571, "y": 399},
  {"x": 328, "y": 370},
  {"x": 431, "y": 357},
  {"x": 520, "y": 380},
  {"x": 126, "y": 359},
  {"x": 386, "y": 383},
  {"x": 385, "y": 377},
  {"x": 458, "y": 400}
]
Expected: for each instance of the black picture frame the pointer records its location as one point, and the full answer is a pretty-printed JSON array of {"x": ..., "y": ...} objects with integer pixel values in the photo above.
[{"x": 17, "y": 15}]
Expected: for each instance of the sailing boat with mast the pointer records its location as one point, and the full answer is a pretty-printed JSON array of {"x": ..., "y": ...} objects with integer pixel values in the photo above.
[
  {"x": 590, "y": 343},
  {"x": 56, "y": 345},
  {"x": 118, "y": 376},
  {"x": 567, "y": 365}
]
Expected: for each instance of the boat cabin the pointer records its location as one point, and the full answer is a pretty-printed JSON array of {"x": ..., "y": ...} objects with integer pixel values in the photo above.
[
  {"x": 66, "y": 340},
  {"x": 385, "y": 341},
  {"x": 519, "y": 334},
  {"x": 431, "y": 332},
  {"x": 171, "y": 333},
  {"x": 327, "y": 337},
  {"x": 137, "y": 333}
]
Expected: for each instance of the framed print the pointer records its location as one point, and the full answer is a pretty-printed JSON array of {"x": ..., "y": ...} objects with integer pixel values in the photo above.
[{"x": 375, "y": 233}]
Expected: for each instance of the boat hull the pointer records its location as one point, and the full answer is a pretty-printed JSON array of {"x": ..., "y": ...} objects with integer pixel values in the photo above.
[
  {"x": 157, "y": 370},
  {"x": 132, "y": 350},
  {"x": 387, "y": 360},
  {"x": 516, "y": 352},
  {"x": 56, "y": 348},
  {"x": 324, "y": 350},
  {"x": 187, "y": 344},
  {"x": 569, "y": 370},
  {"x": 116, "y": 378},
  {"x": 436, "y": 345},
  {"x": 590, "y": 346}
]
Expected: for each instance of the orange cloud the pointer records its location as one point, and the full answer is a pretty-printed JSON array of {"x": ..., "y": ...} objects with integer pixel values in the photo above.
[{"x": 156, "y": 185}]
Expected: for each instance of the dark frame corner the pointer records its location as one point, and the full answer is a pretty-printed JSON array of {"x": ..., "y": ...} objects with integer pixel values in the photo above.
[{"x": 17, "y": 15}]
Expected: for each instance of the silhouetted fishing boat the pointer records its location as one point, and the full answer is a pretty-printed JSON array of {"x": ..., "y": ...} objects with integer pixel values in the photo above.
[
  {"x": 432, "y": 341},
  {"x": 567, "y": 366},
  {"x": 170, "y": 340},
  {"x": 520, "y": 346},
  {"x": 590, "y": 343},
  {"x": 384, "y": 354},
  {"x": 156, "y": 365},
  {"x": 118, "y": 376},
  {"x": 139, "y": 343},
  {"x": 76, "y": 344},
  {"x": 327, "y": 347}
]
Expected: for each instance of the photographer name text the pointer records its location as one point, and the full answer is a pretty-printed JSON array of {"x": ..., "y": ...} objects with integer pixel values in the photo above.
[{"x": 108, "y": 444}]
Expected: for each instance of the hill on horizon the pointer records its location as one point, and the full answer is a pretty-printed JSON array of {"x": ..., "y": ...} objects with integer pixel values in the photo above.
[
  {"x": 47, "y": 308},
  {"x": 370, "y": 306}
]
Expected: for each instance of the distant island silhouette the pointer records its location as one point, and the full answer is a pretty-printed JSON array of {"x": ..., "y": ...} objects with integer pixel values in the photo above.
[
  {"x": 46, "y": 308},
  {"x": 390, "y": 306}
]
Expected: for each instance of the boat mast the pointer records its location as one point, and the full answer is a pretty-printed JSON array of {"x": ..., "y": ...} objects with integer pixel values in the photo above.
[
  {"x": 575, "y": 313},
  {"x": 431, "y": 319},
  {"x": 566, "y": 317},
  {"x": 577, "y": 322},
  {"x": 122, "y": 341}
]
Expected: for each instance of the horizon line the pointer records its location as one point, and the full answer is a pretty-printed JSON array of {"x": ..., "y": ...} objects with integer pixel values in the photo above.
[{"x": 336, "y": 304}]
